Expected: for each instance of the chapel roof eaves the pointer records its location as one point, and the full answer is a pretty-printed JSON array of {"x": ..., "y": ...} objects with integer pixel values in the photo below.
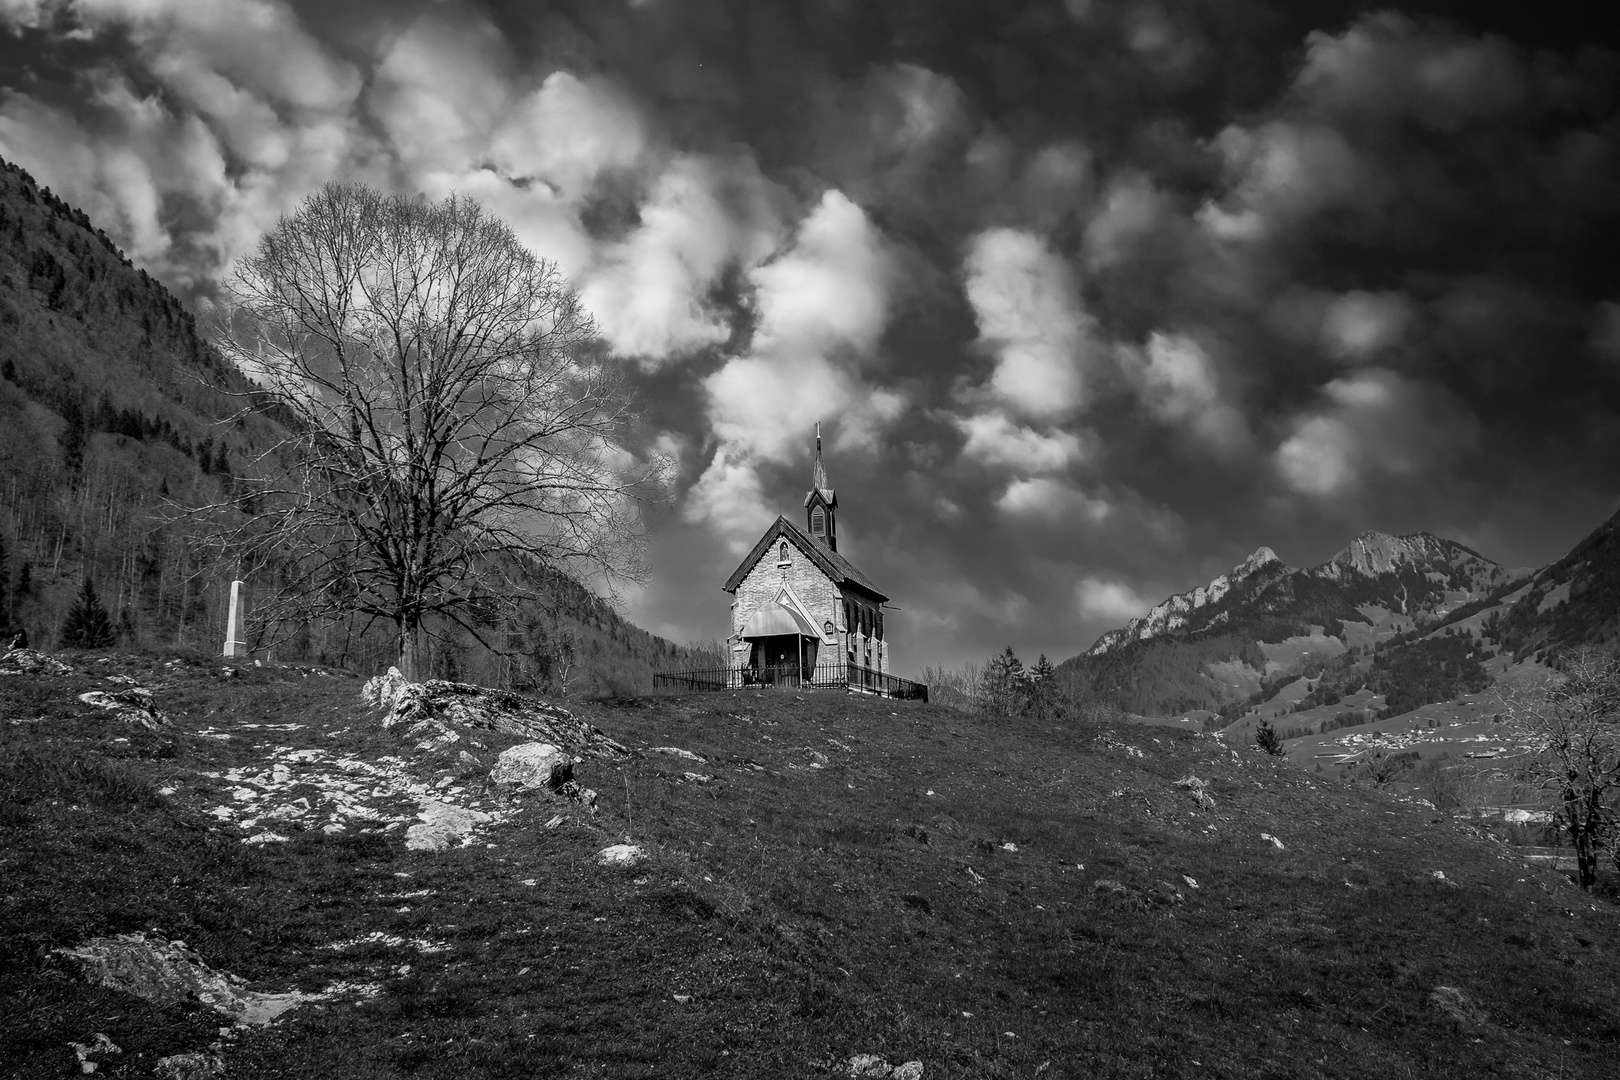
[{"x": 828, "y": 561}]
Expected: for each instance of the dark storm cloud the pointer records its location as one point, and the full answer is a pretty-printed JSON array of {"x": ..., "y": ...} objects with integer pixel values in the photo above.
[{"x": 1093, "y": 296}]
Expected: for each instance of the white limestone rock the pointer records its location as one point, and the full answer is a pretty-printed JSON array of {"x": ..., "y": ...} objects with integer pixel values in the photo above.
[
  {"x": 620, "y": 855},
  {"x": 166, "y": 972},
  {"x": 380, "y": 691},
  {"x": 534, "y": 766},
  {"x": 443, "y": 825},
  {"x": 132, "y": 705},
  {"x": 26, "y": 661}
]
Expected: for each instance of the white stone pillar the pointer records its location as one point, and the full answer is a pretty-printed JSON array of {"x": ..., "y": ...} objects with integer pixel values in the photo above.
[{"x": 233, "y": 622}]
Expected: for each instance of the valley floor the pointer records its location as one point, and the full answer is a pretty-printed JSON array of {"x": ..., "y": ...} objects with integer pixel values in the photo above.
[{"x": 829, "y": 875}]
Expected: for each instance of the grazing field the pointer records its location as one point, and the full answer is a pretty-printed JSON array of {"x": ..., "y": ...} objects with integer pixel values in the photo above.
[{"x": 827, "y": 875}]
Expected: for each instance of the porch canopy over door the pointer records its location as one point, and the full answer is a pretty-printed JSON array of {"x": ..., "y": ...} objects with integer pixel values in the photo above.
[{"x": 774, "y": 620}]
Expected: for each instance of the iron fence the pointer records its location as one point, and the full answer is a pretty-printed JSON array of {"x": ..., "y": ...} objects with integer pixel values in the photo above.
[{"x": 843, "y": 676}]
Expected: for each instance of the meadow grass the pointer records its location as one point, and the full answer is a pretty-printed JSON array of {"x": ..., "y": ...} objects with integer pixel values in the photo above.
[{"x": 993, "y": 898}]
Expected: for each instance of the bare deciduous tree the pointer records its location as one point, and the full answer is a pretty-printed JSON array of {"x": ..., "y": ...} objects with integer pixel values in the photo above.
[
  {"x": 1575, "y": 720},
  {"x": 454, "y": 417}
]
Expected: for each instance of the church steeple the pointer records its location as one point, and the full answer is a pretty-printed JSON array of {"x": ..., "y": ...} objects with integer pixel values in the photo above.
[{"x": 821, "y": 505}]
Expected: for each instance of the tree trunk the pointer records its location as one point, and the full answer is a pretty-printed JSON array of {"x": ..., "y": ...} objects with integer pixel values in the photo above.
[{"x": 410, "y": 649}]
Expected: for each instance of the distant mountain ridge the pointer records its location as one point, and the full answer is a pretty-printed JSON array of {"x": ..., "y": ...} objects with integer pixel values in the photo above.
[
  {"x": 1409, "y": 620},
  {"x": 1175, "y": 613},
  {"x": 1373, "y": 558},
  {"x": 1222, "y": 643}
]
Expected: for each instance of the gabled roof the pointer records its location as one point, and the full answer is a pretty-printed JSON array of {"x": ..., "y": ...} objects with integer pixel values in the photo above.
[{"x": 828, "y": 561}]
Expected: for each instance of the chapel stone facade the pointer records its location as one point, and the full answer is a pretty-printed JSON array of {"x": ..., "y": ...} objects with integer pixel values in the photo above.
[{"x": 798, "y": 604}]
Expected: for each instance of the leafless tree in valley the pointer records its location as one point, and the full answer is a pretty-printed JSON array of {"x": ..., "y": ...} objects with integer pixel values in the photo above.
[
  {"x": 1575, "y": 722},
  {"x": 454, "y": 419}
]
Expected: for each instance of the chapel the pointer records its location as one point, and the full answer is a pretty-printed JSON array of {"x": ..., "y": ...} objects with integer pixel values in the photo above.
[{"x": 798, "y": 605}]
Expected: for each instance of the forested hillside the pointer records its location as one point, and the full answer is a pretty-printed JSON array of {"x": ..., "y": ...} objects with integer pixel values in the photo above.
[{"x": 115, "y": 413}]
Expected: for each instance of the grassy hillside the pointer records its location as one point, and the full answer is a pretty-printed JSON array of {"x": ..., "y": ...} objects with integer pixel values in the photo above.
[
  {"x": 1574, "y": 601},
  {"x": 837, "y": 875}
]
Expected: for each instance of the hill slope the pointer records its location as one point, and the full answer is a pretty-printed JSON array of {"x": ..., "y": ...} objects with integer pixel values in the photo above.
[
  {"x": 113, "y": 408},
  {"x": 830, "y": 875},
  {"x": 1575, "y": 601}
]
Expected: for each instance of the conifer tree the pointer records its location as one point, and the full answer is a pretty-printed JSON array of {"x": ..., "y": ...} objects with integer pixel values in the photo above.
[
  {"x": 1267, "y": 739},
  {"x": 1043, "y": 689},
  {"x": 88, "y": 626}
]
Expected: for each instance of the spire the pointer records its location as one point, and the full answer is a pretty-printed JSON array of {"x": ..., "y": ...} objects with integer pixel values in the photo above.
[
  {"x": 821, "y": 505},
  {"x": 818, "y": 475}
]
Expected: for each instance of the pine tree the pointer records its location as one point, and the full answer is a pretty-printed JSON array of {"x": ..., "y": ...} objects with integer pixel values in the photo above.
[
  {"x": 88, "y": 626},
  {"x": 1004, "y": 685},
  {"x": 1267, "y": 739},
  {"x": 1043, "y": 689}
]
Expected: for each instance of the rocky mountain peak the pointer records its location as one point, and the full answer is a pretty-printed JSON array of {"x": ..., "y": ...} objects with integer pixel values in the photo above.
[
  {"x": 1373, "y": 553},
  {"x": 1173, "y": 614},
  {"x": 1263, "y": 556}
]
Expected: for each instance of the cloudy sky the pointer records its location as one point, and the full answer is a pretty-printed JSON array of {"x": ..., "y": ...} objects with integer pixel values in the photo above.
[{"x": 1093, "y": 297}]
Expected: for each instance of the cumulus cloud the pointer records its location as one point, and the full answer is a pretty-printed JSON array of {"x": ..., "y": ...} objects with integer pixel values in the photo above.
[
  {"x": 1281, "y": 172},
  {"x": 1176, "y": 380},
  {"x": 440, "y": 90},
  {"x": 1057, "y": 182},
  {"x": 1054, "y": 500},
  {"x": 822, "y": 306},
  {"x": 1388, "y": 63},
  {"x": 253, "y": 111},
  {"x": 994, "y": 439},
  {"x": 830, "y": 293},
  {"x": 567, "y": 132},
  {"x": 1107, "y": 601},
  {"x": 1029, "y": 314},
  {"x": 134, "y": 164},
  {"x": 729, "y": 499},
  {"x": 650, "y": 292},
  {"x": 1131, "y": 211},
  {"x": 1353, "y": 327},
  {"x": 1373, "y": 423}
]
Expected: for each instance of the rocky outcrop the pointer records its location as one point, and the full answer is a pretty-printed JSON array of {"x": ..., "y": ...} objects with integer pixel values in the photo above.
[
  {"x": 540, "y": 767},
  {"x": 873, "y": 1065},
  {"x": 435, "y": 712},
  {"x": 443, "y": 825},
  {"x": 167, "y": 972},
  {"x": 620, "y": 855},
  {"x": 26, "y": 661},
  {"x": 1173, "y": 614},
  {"x": 133, "y": 704},
  {"x": 533, "y": 766},
  {"x": 1375, "y": 553}
]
